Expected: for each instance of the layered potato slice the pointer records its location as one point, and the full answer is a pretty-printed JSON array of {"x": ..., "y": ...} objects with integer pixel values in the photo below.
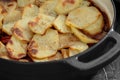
[
  {"x": 22, "y": 31},
  {"x": 12, "y": 16},
  {"x": 73, "y": 52},
  {"x": 3, "y": 51},
  {"x": 57, "y": 56},
  {"x": 79, "y": 46},
  {"x": 23, "y": 3},
  {"x": 95, "y": 28},
  {"x": 60, "y": 25},
  {"x": 75, "y": 48},
  {"x": 24, "y": 60},
  {"x": 41, "y": 23},
  {"x": 7, "y": 28},
  {"x": 1, "y": 8},
  {"x": 1, "y": 19},
  {"x": 16, "y": 49},
  {"x": 10, "y": 6},
  {"x": 85, "y": 3},
  {"x": 48, "y": 8},
  {"x": 30, "y": 11},
  {"x": 65, "y": 6},
  {"x": 83, "y": 17},
  {"x": 67, "y": 40},
  {"x": 84, "y": 38},
  {"x": 65, "y": 53},
  {"x": 44, "y": 46},
  {"x": 40, "y": 2}
]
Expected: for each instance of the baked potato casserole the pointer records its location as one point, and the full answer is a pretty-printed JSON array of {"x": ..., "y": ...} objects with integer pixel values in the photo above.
[{"x": 46, "y": 30}]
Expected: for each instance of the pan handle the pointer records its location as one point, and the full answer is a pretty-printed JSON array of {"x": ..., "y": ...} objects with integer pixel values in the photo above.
[{"x": 101, "y": 61}]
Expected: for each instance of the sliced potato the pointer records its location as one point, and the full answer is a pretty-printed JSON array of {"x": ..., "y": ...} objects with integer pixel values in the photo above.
[
  {"x": 39, "y": 60},
  {"x": 41, "y": 23},
  {"x": 82, "y": 36},
  {"x": 57, "y": 56},
  {"x": 3, "y": 11},
  {"x": 40, "y": 2},
  {"x": 7, "y": 28},
  {"x": 3, "y": 51},
  {"x": 65, "y": 6},
  {"x": 48, "y": 8},
  {"x": 30, "y": 11},
  {"x": 79, "y": 46},
  {"x": 21, "y": 30},
  {"x": 85, "y": 3},
  {"x": 95, "y": 28},
  {"x": 23, "y": 3},
  {"x": 44, "y": 46},
  {"x": 1, "y": 19},
  {"x": 60, "y": 25},
  {"x": 67, "y": 40},
  {"x": 65, "y": 53},
  {"x": 83, "y": 17},
  {"x": 24, "y": 60},
  {"x": 73, "y": 52},
  {"x": 75, "y": 48},
  {"x": 16, "y": 48},
  {"x": 12, "y": 16},
  {"x": 10, "y": 6}
]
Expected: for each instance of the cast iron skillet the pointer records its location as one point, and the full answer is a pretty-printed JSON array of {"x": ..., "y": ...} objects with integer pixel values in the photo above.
[{"x": 84, "y": 63}]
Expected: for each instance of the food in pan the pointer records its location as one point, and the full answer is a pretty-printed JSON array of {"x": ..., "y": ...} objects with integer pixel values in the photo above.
[{"x": 47, "y": 30}]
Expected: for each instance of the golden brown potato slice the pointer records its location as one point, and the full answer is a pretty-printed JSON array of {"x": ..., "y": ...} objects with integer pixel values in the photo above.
[
  {"x": 23, "y": 3},
  {"x": 85, "y": 3},
  {"x": 67, "y": 40},
  {"x": 43, "y": 1},
  {"x": 30, "y": 11},
  {"x": 44, "y": 46},
  {"x": 65, "y": 6},
  {"x": 24, "y": 60},
  {"x": 57, "y": 56},
  {"x": 21, "y": 30},
  {"x": 83, "y": 17},
  {"x": 73, "y": 52},
  {"x": 3, "y": 51},
  {"x": 41, "y": 23},
  {"x": 65, "y": 53},
  {"x": 12, "y": 16},
  {"x": 1, "y": 19},
  {"x": 3, "y": 11},
  {"x": 16, "y": 48},
  {"x": 10, "y": 6},
  {"x": 60, "y": 25},
  {"x": 48, "y": 8},
  {"x": 96, "y": 27},
  {"x": 39, "y": 60},
  {"x": 82, "y": 36},
  {"x": 40, "y": 2},
  {"x": 79, "y": 46},
  {"x": 7, "y": 28},
  {"x": 75, "y": 48}
]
